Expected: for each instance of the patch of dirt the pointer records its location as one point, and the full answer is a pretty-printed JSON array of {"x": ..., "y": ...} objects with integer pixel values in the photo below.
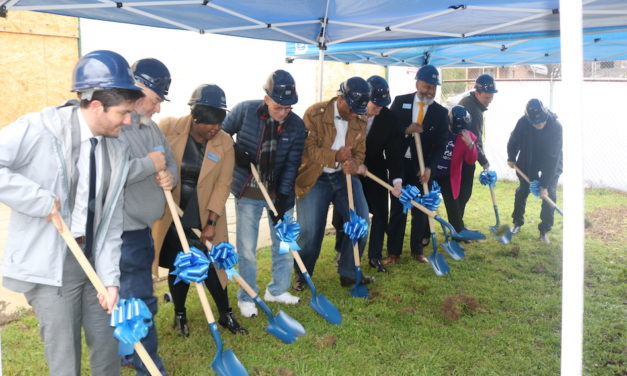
[
  {"x": 608, "y": 224},
  {"x": 325, "y": 341},
  {"x": 285, "y": 372},
  {"x": 515, "y": 251},
  {"x": 455, "y": 305},
  {"x": 538, "y": 268},
  {"x": 407, "y": 310}
]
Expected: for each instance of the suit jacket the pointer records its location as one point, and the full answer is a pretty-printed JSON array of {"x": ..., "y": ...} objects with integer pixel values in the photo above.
[
  {"x": 435, "y": 124},
  {"x": 214, "y": 181},
  {"x": 383, "y": 146}
]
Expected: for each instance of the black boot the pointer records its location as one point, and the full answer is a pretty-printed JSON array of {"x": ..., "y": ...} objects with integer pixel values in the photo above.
[
  {"x": 180, "y": 323},
  {"x": 227, "y": 321}
]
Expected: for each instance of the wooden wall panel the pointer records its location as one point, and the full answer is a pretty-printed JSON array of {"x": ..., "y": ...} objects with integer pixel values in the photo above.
[{"x": 36, "y": 61}]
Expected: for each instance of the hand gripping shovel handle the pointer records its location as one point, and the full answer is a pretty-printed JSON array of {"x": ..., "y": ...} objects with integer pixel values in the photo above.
[
  {"x": 544, "y": 197},
  {"x": 374, "y": 177},
  {"x": 179, "y": 229},
  {"x": 100, "y": 287}
]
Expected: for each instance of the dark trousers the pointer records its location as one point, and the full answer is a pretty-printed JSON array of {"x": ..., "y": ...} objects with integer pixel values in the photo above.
[
  {"x": 172, "y": 245},
  {"x": 454, "y": 211},
  {"x": 398, "y": 219},
  {"x": 465, "y": 189},
  {"x": 136, "y": 282},
  {"x": 520, "y": 202}
]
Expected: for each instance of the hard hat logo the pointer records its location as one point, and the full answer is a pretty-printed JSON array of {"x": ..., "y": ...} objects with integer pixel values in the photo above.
[
  {"x": 429, "y": 74},
  {"x": 535, "y": 112}
]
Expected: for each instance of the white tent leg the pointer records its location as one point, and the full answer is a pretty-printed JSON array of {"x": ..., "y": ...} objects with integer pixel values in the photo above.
[
  {"x": 321, "y": 80},
  {"x": 573, "y": 243}
]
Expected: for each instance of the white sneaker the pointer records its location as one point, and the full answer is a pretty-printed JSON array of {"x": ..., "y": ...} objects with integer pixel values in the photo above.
[
  {"x": 544, "y": 238},
  {"x": 516, "y": 229},
  {"x": 247, "y": 309},
  {"x": 285, "y": 298}
]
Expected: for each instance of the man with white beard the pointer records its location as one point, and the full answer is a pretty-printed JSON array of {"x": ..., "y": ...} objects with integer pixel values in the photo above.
[{"x": 417, "y": 113}]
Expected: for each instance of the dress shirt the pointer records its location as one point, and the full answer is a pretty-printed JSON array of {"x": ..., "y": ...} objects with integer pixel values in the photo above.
[{"x": 341, "y": 127}]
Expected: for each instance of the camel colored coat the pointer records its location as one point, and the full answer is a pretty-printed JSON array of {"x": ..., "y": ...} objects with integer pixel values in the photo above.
[{"x": 214, "y": 181}]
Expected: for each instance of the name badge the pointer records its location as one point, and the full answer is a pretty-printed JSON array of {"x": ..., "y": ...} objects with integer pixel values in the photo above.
[
  {"x": 406, "y": 106},
  {"x": 213, "y": 157}
]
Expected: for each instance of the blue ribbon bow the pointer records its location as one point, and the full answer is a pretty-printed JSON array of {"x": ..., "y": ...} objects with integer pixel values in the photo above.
[
  {"x": 356, "y": 228},
  {"x": 534, "y": 188},
  {"x": 488, "y": 178},
  {"x": 225, "y": 257},
  {"x": 432, "y": 200},
  {"x": 132, "y": 320},
  {"x": 288, "y": 230},
  {"x": 191, "y": 267},
  {"x": 408, "y": 193}
]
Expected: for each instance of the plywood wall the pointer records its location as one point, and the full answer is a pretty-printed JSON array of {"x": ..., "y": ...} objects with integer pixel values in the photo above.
[
  {"x": 335, "y": 73},
  {"x": 37, "y": 54}
]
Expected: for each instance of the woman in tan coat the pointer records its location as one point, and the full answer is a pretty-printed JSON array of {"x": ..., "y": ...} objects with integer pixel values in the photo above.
[{"x": 205, "y": 155}]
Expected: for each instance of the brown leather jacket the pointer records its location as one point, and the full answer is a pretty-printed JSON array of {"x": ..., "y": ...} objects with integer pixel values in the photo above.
[{"x": 319, "y": 121}]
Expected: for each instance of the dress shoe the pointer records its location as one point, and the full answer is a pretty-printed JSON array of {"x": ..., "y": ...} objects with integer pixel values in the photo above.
[
  {"x": 180, "y": 323},
  {"x": 299, "y": 284},
  {"x": 377, "y": 264},
  {"x": 392, "y": 260},
  {"x": 227, "y": 321},
  {"x": 347, "y": 281},
  {"x": 420, "y": 258}
]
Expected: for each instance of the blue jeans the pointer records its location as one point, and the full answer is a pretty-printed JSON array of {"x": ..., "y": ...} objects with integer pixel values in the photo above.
[
  {"x": 248, "y": 214},
  {"x": 312, "y": 215},
  {"x": 138, "y": 252}
]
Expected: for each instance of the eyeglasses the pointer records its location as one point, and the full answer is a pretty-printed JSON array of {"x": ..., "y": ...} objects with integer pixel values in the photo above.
[{"x": 281, "y": 108}]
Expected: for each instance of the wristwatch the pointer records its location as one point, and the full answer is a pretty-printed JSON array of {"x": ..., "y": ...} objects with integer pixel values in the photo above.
[{"x": 211, "y": 222}]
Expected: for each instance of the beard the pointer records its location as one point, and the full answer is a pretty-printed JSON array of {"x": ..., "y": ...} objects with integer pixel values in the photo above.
[{"x": 425, "y": 100}]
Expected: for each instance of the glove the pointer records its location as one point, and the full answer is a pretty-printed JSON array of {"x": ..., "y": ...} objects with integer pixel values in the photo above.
[
  {"x": 281, "y": 207},
  {"x": 243, "y": 159}
]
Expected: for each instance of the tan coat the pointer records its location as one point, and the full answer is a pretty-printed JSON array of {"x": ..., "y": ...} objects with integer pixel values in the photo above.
[
  {"x": 319, "y": 121},
  {"x": 214, "y": 181}
]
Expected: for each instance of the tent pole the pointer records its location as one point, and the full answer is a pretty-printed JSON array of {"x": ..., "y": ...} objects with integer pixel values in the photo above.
[
  {"x": 321, "y": 79},
  {"x": 571, "y": 37}
]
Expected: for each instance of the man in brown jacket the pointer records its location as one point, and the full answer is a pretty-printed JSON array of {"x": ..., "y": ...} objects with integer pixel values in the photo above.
[{"x": 335, "y": 146}]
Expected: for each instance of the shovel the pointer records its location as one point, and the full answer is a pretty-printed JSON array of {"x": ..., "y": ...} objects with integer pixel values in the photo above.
[
  {"x": 318, "y": 302},
  {"x": 437, "y": 261},
  {"x": 359, "y": 290},
  {"x": 502, "y": 233},
  {"x": 282, "y": 326},
  {"x": 225, "y": 363},
  {"x": 544, "y": 197},
  {"x": 100, "y": 287}
]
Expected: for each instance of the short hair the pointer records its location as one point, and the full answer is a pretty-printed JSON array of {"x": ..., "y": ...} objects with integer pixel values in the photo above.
[
  {"x": 207, "y": 114},
  {"x": 112, "y": 97}
]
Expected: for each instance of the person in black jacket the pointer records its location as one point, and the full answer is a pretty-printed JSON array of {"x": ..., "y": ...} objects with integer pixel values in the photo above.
[
  {"x": 535, "y": 146},
  {"x": 417, "y": 113}
]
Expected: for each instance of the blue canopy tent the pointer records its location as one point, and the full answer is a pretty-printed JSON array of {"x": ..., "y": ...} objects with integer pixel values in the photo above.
[{"x": 327, "y": 23}]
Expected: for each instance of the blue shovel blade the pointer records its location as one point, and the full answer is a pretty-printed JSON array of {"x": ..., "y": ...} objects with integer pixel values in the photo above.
[
  {"x": 326, "y": 309},
  {"x": 285, "y": 328},
  {"x": 454, "y": 249},
  {"x": 321, "y": 304},
  {"x": 502, "y": 234},
  {"x": 438, "y": 263},
  {"x": 359, "y": 290},
  {"x": 225, "y": 363}
]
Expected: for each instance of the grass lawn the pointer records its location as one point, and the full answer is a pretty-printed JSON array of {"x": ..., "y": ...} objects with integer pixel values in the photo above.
[{"x": 497, "y": 313}]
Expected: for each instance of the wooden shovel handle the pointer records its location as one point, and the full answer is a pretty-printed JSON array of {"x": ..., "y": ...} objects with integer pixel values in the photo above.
[
  {"x": 351, "y": 205},
  {"x": 245, "y": 286},
  {"x": 224, "y": 280},
  {"x": 421, "y": 164},
  {"x": 544, "y": 197},
  {"x": 263, "y": 189},
  {"x": 179, "y": 230},
  {"x": 390, "y": 188},
  {"x": 78, "y": 253}
]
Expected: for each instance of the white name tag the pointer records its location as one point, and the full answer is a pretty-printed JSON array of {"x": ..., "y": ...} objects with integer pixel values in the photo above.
[{"x": 406, "y": 106}]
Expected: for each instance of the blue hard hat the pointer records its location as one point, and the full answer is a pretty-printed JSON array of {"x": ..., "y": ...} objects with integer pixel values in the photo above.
[
  {"x": 459, "y": 119},
  {"x": 429, "y": 74},
  {"x": 154, "y": 75},
  {"x": 208, "y": 95},
  {"x": 485, "y": 83},
  {"x": 356, "y": 93},
  {"x": 102, "y": 69},
  {"x": 535, "y": 112},
  {"x": 379, "y": 91},
  {"x": 281, "y": 87}
]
